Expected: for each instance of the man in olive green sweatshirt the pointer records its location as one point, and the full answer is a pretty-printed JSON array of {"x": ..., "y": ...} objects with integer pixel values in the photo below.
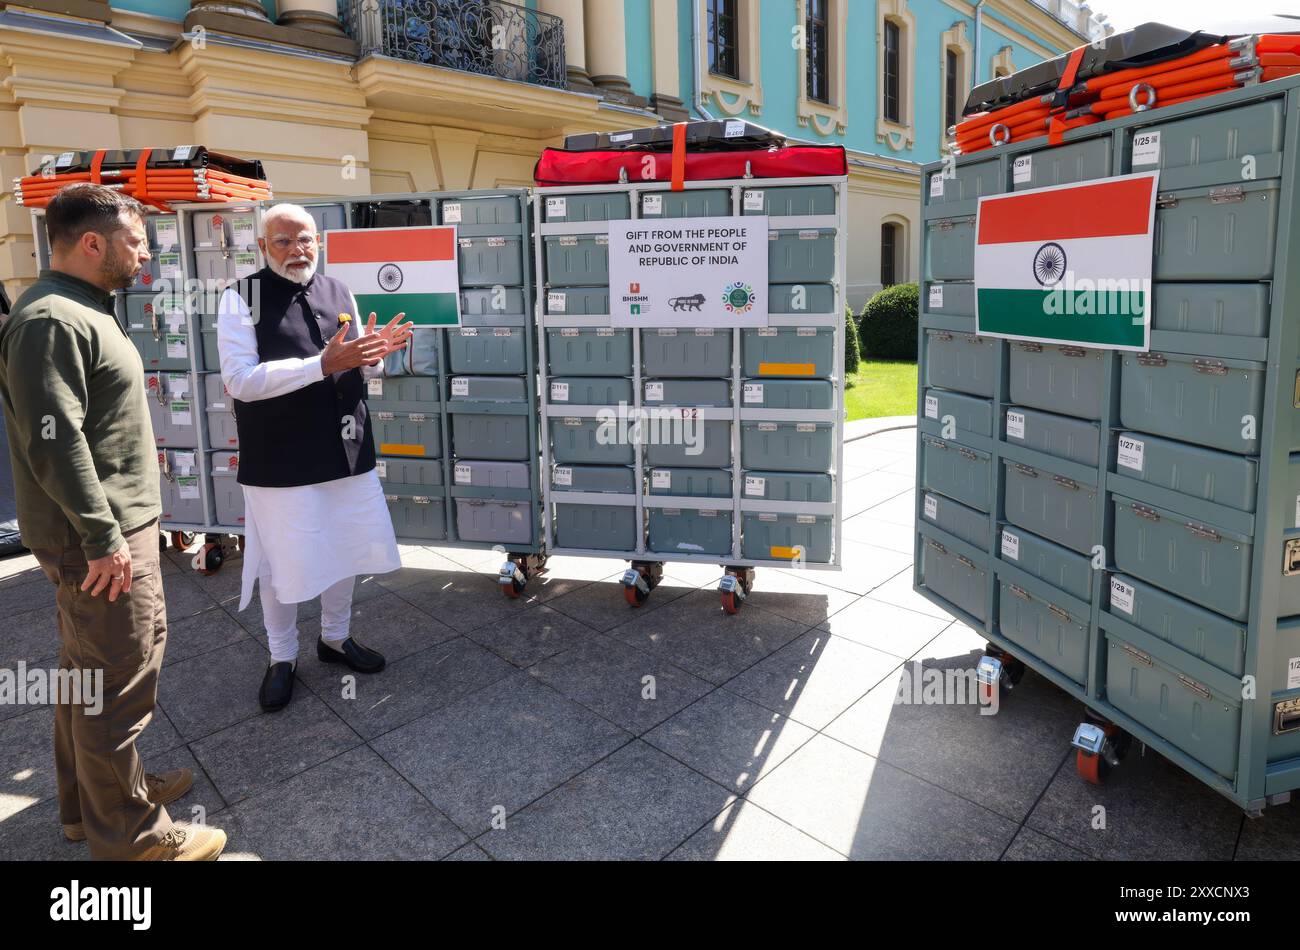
[{"x": 86, "y": 479}]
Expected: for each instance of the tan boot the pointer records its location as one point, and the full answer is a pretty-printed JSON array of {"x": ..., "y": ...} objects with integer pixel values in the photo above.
[
  {"x": 163, "y": 790},
  {"x": 187, "y": 843}
]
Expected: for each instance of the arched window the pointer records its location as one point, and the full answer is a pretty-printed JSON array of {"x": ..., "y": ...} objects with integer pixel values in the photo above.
[{"x": 891, "y": 241}]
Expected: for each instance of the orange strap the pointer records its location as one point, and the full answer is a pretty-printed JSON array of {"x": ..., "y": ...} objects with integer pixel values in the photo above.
[
  {"x": 95, "y": 164},
  {"x": 1056, "y": 126},
  {"x": 679, "y": 156},
  {"x": 142, "y": 176}
]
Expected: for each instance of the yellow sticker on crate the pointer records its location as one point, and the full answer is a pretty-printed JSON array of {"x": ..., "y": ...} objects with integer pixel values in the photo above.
[
  {"x": 394, "y": 448},
  {"x": 784, "y": 554},
  {"x": 787, "y": 369}
]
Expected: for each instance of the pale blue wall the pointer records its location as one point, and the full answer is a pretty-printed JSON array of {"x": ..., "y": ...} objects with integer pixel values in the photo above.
[
  {"x": 640, "y": 55},
  {"x": 173, "y": 9}
]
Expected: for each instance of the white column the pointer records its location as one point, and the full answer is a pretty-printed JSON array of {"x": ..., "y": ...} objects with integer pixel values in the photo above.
[
  {"x": 607, "y": 48},
  {"x": 320, "y": 16},
  {"x": 575, "y": 39},
  {"x": 667, "y": 97}
]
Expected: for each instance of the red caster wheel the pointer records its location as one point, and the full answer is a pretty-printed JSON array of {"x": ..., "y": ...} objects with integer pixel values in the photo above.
[
  {"x": 639, "y": 580},
  {"x": 209, "y": 559},
  {"x": 735, "y": 587},
  {"x": 730, "y": 602},
  {"x": 513, "y": 578},
  {"x": 182, "y": 540},
  {"x": 1099, "y": 747},
  {"x": 1091, "y": 767},
  {"x": 635, "y": 596}
]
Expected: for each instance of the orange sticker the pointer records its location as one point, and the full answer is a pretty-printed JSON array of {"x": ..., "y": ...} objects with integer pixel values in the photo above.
[
  {"x": 787, "y": 369},
  {"x": 784, "y": 554},
  {"x": 392, "y": 448}
]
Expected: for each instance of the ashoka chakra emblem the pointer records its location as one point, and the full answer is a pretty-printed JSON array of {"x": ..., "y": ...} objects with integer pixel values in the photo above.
[
  {"x": 1049, "y": 264},
  {"x": 390, "y": 277}
]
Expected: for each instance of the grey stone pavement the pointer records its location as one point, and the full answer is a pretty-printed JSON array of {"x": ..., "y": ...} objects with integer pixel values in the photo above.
[{"x": 771, "y": 734}]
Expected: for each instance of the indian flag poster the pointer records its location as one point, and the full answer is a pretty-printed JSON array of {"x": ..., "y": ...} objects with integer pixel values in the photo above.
[
  {"x": 399, "y": 270},
  {"x": 1068, "y": 264}
]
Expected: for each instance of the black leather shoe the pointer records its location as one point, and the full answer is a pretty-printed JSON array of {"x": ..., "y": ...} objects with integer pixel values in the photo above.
[
  {"x": 277, "y": 687},
  {"x": 358, "y": 658}
]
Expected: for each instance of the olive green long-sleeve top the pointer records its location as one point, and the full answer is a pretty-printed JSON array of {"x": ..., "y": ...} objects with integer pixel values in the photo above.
[{"x": 80, "y": 438}]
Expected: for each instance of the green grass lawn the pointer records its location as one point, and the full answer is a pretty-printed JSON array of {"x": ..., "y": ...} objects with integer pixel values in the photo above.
[{"x": 884, "y": 388}]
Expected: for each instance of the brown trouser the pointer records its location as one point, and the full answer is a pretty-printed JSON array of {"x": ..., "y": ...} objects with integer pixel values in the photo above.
[{"x": 100, "y": 776}]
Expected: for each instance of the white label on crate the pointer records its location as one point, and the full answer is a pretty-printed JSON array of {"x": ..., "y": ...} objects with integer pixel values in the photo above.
[
  {"x": 185, "y": 462},
  {"x": 375, "y": 387},
  {"x": 1121, "y": 595},
  {"x": 557, "y": 301},
  {"x": 169, "y": 266},
  {"x": 573, "y": 422},
  {"x": 496, "y": 242},
  {"x": 242, "y": 231},
  {"x": 178, "y": 347},
  {"x": 936, "y": 185},
  {"x": 735, "y": 129},
  {"x": 660, "y": 478},
  {"x": 602, "y": 239},
  {"x": 1293, "y": 673},
  {"x": 188, "y": 486},
  {"x": 809, "y": 235},
  {"x": 381, "y": 466},
  {"x": 668, "y": 332},
  {"x": 1146, "y": 149},
  {"x": 767, "y": 516},
  {"x": 180, "y": 413},
  {"x": 931, "y": 507},
  {"x": 1130, "y": 453},
  {"x": 932, "y": 407},
  {"x": 570, "y": 331},
  {"x": 602, "y": 331},
  {"x": 460, "y": 386},
  {"x": 1015, "y": 425},
  {"x": 654, "y": 392},
  {"x": 1023, "y": 170},
  {"x": 245, "y": 264},
  {"x": 755, "y": 486},
  {"x": 416, "y": 417},
  {"x": 806, "y": 331},
  {"x": 569, "y": 240},
  {"x": 469, "y": 242},
  {"x": 182, "y": 153},
  {"x": 767, "y": 427},
  {"x": 704, "y": 331},
  {"x": 65, "y": 159},
  {"x": 564, "y": 476},
  {"x": 559, "y": 392},
  {"x": 502, "y": 331},
  {"x": 452, "y": 214},
  {"x": 620, "y": 136},
  {"x": 805, "y": 519},
  {"x": 936, "y": 296},
  {"x": 1011, "y": 545},
  {"x": 754, "y": 200},
  {"x": 164, "y": 232},
  {"x": 754, "y": 392},
  {"x": 767, "y": 331},
  {"x": 805, "y": 427},
  {"x": 468, "y": 331},
  {"x": 707, "y": 513},
  {"x": 557, "y": 207},
  {"x": 464, "y": 474},
  {"x": 178, "y": 385},
  {"x": 652, "y": 204}
]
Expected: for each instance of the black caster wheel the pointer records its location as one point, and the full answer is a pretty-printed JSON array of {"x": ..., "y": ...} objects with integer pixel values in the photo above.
[{"x": 209, "y": 559}]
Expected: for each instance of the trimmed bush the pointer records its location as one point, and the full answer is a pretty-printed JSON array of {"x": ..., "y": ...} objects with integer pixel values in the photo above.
[
  {"x": 852, "y": 354},
  {"x": 889, "y": 323}
]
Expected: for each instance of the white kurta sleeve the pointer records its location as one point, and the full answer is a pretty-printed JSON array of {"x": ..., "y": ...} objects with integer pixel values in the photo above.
[
  {"x": 247, "y": 379},
  {"x": 367, "y": 372}
]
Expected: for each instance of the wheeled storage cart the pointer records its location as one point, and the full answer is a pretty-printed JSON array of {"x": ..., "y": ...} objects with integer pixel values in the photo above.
[
  {"x": 1127, "y": 523},
  {"x": 760, "y": 483}
]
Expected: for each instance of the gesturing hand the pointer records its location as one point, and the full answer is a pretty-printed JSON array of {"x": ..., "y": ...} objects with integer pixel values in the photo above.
[
  {"x": 395, "y": 334},
  {"x": 341, "y": 355}
]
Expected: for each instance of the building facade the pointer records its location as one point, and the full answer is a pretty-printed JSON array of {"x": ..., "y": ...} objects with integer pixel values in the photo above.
[{"x": 373, "y": 96}]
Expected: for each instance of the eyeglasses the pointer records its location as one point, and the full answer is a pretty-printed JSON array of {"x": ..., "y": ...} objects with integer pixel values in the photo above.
[{"x": 284, "y": 243}]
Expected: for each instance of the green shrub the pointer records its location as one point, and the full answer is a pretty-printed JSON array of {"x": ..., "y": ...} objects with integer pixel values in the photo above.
[
  {"x": 889, "y": 323},
  {"x": 852, "y": 354}
]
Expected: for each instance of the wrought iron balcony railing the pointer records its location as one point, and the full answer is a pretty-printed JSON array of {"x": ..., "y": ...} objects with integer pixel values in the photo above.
[{"x": 488, "y": 37}]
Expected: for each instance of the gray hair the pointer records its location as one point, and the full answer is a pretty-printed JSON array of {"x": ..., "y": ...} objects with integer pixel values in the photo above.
[{"x": 285, "y": 210}]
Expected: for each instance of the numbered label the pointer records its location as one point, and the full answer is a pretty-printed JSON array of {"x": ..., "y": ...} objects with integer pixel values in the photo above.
[
  {"x": 1130, "y": 453},
  {"x": 1015, "y": 425},
  {"x": 1011, "y": 545},
  {"x": 1121, "y": 596},
  {"x": 1146, "y": 149}
]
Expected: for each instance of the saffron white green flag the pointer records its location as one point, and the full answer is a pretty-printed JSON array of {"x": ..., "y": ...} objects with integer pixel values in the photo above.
[
  {"x": 1068, "y": 264},
  {"x": 399, "y": 270}
]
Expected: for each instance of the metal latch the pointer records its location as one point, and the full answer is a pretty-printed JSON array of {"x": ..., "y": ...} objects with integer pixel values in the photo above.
[
  {"x": 1227, "y": 194},
  {"x": 1151, "y": 359},
  {"x": 945, "y": 225},
  {"x": 1059, "y": 613},
  {"x": 1020, "y": 592},
  {"x": 967, "y": 561},
  {"x": 969, "y": 454},
  {"x": 1295, "y": 400},
  {"x": 1204, "y": 533},
  {"x": 1286, "y": 716},
  {"x": 935, "y": 443},
  {"x": 1194, "y": 686},
  {"x": 1031, "y": 347},
  {"x": 1077, "y": 352},
  {"x": 1291, "y": 558},
  {"x": 1167, "y": 200},
  {"x": 1136, "y": 654},
  {"x": 1064, "y": 482},
  {"x": 945, "y": 337},
  {"x": 1210, "y": 367},
  {"x": 1142, "y": 511},
  {"x": 1026, "y": 471},
  {"x": 936, "y": 545}
]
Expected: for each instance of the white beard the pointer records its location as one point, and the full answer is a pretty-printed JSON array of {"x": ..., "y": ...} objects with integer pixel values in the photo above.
[{"x": 299, "y": 275}]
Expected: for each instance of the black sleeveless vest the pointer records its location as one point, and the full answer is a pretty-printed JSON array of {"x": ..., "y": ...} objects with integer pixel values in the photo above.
[{"x": 299, "y": 438}]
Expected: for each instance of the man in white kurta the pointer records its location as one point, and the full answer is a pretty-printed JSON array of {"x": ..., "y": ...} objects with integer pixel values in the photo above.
[{"x": 305, "y": 540}]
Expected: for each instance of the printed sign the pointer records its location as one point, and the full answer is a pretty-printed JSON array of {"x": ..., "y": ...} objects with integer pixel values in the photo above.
[
  {"x": 755, "y": 486},
  {"x": 694, "y": 272},
  {"x": 559, "y": 392},
  {"x": 415, "y": 271},
  {"x": 1068, "y": 264},
  {"x": 1121, "y": 595},
  {"x": 1293, "y": 673},
  {"x": 165, "y": 233},
  {"x": 557, "y": 207},
  {"x": 1022, "y": 170},
  {"x": 1015, "y": 425},
  {"x": 931, "y": 507},
  {"x": 564, "y": 476},
  {"x": 1011, "y": 545},
  {"x": 936, "y": 296},
  {"x": 753, "y": 393},
  {"x": 464, "y": 474},
  {"x": 932, "y": 407},
  {"x": 1130, "y": 452},
  {"x": 661, "y": 478},
  {"x": 1146, "y": 149}
]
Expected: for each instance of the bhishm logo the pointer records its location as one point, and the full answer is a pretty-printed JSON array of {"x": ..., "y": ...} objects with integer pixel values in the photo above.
[
  {"x": 390, "y": 277},
  {"x": 738, "y": 298}
]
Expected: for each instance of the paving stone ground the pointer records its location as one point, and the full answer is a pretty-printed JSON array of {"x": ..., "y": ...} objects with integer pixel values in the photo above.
[{"x": 568, "y": 725}]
